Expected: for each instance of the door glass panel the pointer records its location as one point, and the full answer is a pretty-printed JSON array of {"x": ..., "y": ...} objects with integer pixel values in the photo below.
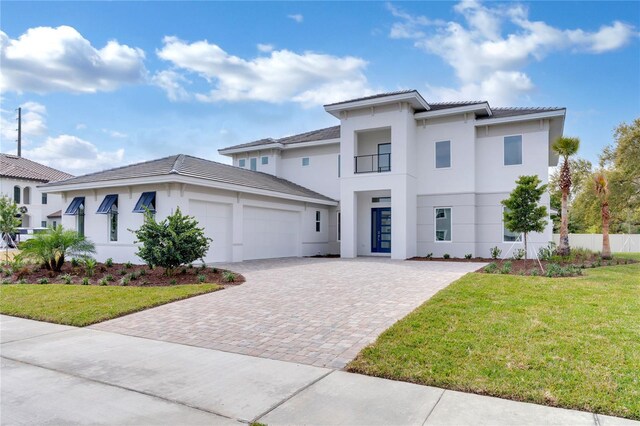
[{"x": 384, "y": 157}]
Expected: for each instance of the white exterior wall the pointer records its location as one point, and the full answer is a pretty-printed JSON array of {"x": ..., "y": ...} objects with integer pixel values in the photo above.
[
  {"x": 227, "y": 247},
  {"x": 37, "y": 211},
  {"x": 321, "y": 175}
]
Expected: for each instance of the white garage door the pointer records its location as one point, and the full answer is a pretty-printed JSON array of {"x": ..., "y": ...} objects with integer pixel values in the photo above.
[
  {"x": 270, "y": 233},
  {"x": 215, "y": 218}
]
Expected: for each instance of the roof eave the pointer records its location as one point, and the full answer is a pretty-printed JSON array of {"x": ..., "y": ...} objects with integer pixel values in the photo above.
[
  {"x": 522, "y": 117},
  {"x": 232, "y": 150},
  {"x": 483, "y": 107},
  {"x": 414, "y": 98}
]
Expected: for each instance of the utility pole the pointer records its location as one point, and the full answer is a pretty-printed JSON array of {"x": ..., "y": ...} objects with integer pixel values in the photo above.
[{"x": 19, "y": 132}]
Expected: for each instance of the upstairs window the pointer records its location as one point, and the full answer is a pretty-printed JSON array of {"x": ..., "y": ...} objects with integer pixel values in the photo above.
[
  {"x": 241, "y": 162},
  {"x": 44, "y": 198},
  {"x": 512, "y": 150},
  {"x": 317, "y": 221},
  {"x": 443, "y": 154},
  {"x": 26, "y": 195},
  {"x": 146, "y": 201},
  {"x": 16, "y": 194},
  {"x": 265, "y": 160},
  {"x": 254, "y": 164}
]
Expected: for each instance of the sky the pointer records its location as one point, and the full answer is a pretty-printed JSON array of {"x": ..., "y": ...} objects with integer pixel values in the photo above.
[{"x": 104, "y": 84}]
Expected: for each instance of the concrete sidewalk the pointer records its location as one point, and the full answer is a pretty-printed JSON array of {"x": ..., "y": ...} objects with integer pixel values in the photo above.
[{"x": 62, "y": 375}]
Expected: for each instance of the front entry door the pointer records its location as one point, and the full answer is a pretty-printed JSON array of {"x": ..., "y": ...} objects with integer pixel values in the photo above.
[{"x": 381, "y": 230}]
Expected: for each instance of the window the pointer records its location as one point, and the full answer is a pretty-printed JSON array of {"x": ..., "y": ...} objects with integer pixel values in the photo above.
[
  {"x": 26, "y": 195},
  {"x": 508, "y": 236},
  {"x": 265, "y": 160},
  {"x": 241, "y": 162},
  {"x": 317, "y": 221},
  {"x": 146, "y": 201},
  {"x": 305, "y": 161},
  {"x": 44, "y": 198},
  {"x": 76, "y": 208},
  {"x": 54, "y": 223},
  {"x": 16, "y": 194},
  {"x": 512, "y": 150},
  {"x": 381, "y": 200},
  {"x": 384, "y": 157},
  {"x": 443, "y": 223},
  {"x": 339, "y": 226},
  {"x": 254, "y": 164},
  {"x": 109, "y": 206},
  {"x": 443, "y": 154},
  {"x": 43, "y": 224}
]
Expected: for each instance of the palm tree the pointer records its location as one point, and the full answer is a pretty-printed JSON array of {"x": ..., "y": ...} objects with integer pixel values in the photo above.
[
  {"x": 50, "y": 248},
  {"x": 565, "y": 147},
  {"x": 602, "y": 191}
]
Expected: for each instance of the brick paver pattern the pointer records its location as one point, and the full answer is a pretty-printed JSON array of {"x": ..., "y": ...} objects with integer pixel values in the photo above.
[{"x": 319, "y": 312}]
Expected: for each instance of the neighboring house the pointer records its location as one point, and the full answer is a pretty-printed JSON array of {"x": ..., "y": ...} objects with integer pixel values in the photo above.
[
  {"x": 397, "y": 177},
  {"x": 19, "y": 180}
]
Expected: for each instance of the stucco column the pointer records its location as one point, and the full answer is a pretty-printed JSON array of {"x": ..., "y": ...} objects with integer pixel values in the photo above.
[
  {"x": 348, "y": 213},
  {"x": 399, "y": 223},
  {"x": 237, "y": 219}
]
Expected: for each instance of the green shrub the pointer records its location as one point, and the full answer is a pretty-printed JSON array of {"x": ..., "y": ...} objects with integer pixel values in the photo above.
[
  {"x": 66, "y": 278},
  {"x": 22, "y": 281},
  {"x": 7, "y": 281},
  {"x": 554, "y": 270},
  {"x": 43, "y": 281},
  {"x": 109, "y": 277},
  {"x": 109, "y": 262},
  {"x": 518, "y": 254},
  {"x": 202, "y": 278},
  {"x": 122, "y": 272},
  {"x": 468, "y": 256},
  {"x": 429, "y": 256},
  {"x": 506, "y": 268},
  {"x": 124, "y": 281},
  {"x": 7, "y": 272},
  {"x": 128, "y": 265},
  {"x": 50, "y": 248},
  {"x": 133, "y": 276},
  {"x": 491, "y": 268},
  {"x": 534, "y": 272},
  {"x": 89, "y": 266},
  {"x": 495, "y": 252},
  {"x": 142, "y": 272},
  {"x": 190, "y": 266},
  {"x": 173, "y": 281},
  {"x": 546, "y": 253},
  {"x": 214, "y": 270},
  {"x": 85, "y": 281},
  {"x": 75, "y": 262},
  {"x": 228, "y": 277},
  {"x": 183, "y": 271},
  {"x": 446, "y": 256},
  {"x": 103, "y": 281}
]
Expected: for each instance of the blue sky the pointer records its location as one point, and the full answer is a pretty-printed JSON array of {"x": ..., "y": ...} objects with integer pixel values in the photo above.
[{"x": 108, "y": 83}]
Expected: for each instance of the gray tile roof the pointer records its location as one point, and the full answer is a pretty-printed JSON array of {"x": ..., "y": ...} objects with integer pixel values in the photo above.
[
  {"x": 516, "y": 111},
  {"x": 12, "y": 166},
  {"x": 446, "y": 105},
  {"x": 314, "y": 135},
  {"x": 378, "y": 95},
  {"x": 186, "y": 165}
]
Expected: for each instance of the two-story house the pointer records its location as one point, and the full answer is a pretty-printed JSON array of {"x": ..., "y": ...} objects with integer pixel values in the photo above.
[{"x": 397, "y": 177}]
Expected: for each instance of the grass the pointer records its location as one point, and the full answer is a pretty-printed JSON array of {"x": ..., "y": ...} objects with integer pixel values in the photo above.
[
  {"x": 569, "y": 342},
  {"x": 82, "y": 305}
]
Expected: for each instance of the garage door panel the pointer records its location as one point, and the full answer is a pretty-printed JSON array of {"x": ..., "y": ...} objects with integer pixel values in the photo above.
[
  {"x": 270, "y": 233},
  {"x": 215, "y": 218}
]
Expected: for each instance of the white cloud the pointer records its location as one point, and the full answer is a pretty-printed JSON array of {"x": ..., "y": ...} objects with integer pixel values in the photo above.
[
  {"x": 296, "y": 17},
  {"x": 75, "y": 155},
  {"x": 115, "y": 134},
  {"x": 309, "y": 78},
  {"x": 489, "y": 61},
  {"x": 81, "y": 126},
  {"x": 172, "y": 83},
  {"x": 265, "y": 48},
  {"x": 46, "y": 59}
]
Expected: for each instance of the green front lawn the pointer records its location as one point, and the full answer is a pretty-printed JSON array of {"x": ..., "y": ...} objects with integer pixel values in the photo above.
[
  {"x": 82, "y": 305},
  {"x": 569, "y": 342}
]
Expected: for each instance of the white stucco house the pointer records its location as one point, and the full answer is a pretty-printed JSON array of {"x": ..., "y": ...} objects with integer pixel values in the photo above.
[
  {"x": 396, "y": 177},
  {"x": 20, "y": 179}
]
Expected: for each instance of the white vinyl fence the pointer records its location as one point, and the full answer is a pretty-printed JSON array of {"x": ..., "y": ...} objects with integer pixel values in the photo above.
[{"x": 620, "y": 243}]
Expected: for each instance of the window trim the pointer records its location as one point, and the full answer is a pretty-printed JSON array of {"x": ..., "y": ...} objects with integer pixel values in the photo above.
[
  {"x": 308, "y": 161},
  {"x": 242, "y": 162},
  {"x": 264, "y": 160},
  {"x": 504, "y": 139},
  {"x": 521, "y": 241},
  {"x": 435, "y": 226},
  {"x": 435, "y": 155},
  {"x": 318, "y": 220}
]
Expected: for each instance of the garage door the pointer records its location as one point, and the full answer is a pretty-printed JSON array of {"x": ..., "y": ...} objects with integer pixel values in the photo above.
[
  {"x": 215, "y": 218},
  {"x": 270, "y": 233}
]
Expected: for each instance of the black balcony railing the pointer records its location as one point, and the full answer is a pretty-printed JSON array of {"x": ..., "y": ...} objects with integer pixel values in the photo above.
[{"x": 375, "y": 163}]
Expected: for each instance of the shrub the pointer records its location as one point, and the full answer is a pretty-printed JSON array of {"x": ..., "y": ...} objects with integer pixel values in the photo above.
[
  {"x": 134, "y": 276},
  {"x": 7, "y": 281},
  {"x": 85, "y": 281},
  {"x": 506, "y": 268},
  {"x": 109, "y": 277},
  {"x": 183, "y": 271},
  {"x": 214, "y": 270},
  {"x": 203, "y": 267},
  {"x": 190, "y": 266},
  {"x": 75, "y": 262},
  {"x": 468, "y": 256},
  {"x": 228, "y": 277},
  {"x": 491, "y": 268},
  {"x": 142, "y": 272},
  {"x": 50, "y": 248},
  {"x": 554, "y": 270},
  {"x": 201, "y": 278},
  {"x": 66, "y": 278},
  {"x": 518, "y": 254},
  {"x": 109, "y": 262},
  {"x": 429, "y": 256},
  {"x": 173, "y": 242},
  {"x": 7, "y": 272},
  {"x": 495, "y": 252},
  {"x": 122, "y": 272},
  {"x": 22, "y": 281},
  {"x": 9, "y": 221},
  {"x": 173, "y": 281},
  {"x": 89, "y": 266},
  {"x": 546, "y": 253},
  {"x": 534, "y": 272},
  {"x": 446, "y": 256},
  {"x": 103, "y": 281},
  {"x": 124, "y": 281},
  {"x": 128, "y": 265},
  {"x": 43, "y": 281}
]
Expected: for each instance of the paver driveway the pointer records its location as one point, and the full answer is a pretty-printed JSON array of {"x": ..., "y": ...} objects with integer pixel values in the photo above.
[{"x": 312, "y": 311}]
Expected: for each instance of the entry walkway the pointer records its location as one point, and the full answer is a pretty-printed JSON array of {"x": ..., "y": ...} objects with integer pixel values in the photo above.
[
  {"x": 64, "y": 375},
  {"x": 318, "y": 312}
]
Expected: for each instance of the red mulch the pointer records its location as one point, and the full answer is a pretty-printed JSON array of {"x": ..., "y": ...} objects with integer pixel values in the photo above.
[{"x": 151, "y": 277}]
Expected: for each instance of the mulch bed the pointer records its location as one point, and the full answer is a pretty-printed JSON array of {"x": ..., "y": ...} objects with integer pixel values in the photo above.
[{"x": 138, "y": 275}]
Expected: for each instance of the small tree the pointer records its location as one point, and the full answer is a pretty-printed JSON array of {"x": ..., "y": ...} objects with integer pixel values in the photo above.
[
  {"x": 50, "y": 248},
  {"x": 9, "y": 222},
  {"x": 565, "y": 147},
  {"x": 523, "y": 211},
  {"x": 175, "y": 241},
  {"x": 601, "y": 188}
]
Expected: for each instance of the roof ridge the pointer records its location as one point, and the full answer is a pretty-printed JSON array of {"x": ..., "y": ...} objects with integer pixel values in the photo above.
[
  {"x": 457, "y": 102},
  {"x": 177, "y": 164}
]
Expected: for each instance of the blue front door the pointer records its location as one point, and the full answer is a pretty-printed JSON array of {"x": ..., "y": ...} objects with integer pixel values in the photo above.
[{"x": 381, "y": 230}]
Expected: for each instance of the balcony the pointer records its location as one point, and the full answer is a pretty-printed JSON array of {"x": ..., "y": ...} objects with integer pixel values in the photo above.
[{"x": 375, "y": 163}]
